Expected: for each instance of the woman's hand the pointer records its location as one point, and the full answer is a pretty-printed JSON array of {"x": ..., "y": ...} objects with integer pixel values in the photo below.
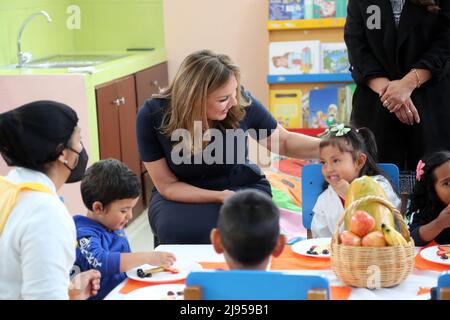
[
  {"x": 84, "y": 285},
  {"x": 223, "y": 195},
  {"x": 396, "y": 94},
  {"x": 378, "y": 85},
  {"x": 408, "y": 113},
  {"x": 161, "y": 258}
]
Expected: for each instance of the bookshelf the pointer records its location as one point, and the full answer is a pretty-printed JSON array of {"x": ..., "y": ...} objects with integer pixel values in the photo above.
[
  {"x": 325, "y": 30},
  {"x": 306, "y": 24},
  {"x": 310, "y": 78}
]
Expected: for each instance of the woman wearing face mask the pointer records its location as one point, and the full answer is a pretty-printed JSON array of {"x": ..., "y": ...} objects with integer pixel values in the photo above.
[{"x": 37, "y": 234}]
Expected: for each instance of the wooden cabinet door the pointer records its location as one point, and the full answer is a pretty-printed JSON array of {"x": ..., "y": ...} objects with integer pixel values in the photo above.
[
  {"x": 127, "y": 118},
  {"x": 149, "y": 81},
  {"x": 117, "y": 105},
  {"x": 108, "y": 121},
  {"x": 116, "y": 116}
]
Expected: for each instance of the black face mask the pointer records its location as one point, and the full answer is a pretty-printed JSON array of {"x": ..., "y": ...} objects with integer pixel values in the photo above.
[{"x": 76, "y": 174}]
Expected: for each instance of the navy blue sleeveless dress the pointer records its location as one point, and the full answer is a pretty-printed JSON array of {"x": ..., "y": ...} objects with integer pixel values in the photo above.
[{"x": 185, "y": 223}]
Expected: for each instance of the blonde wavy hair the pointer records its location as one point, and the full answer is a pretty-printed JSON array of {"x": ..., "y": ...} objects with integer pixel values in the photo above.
[{"x": 200, "y": 73}]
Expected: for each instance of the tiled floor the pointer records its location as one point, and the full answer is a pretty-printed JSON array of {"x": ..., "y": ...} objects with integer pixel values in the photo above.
[{"x": 140, "y": 234}]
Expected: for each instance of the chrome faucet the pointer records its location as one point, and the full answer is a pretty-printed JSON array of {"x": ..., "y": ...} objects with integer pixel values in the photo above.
[{"x": 24, "y": 57}]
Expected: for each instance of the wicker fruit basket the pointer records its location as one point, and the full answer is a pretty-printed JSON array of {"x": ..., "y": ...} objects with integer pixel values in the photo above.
[{"x": 372, "y": 267}]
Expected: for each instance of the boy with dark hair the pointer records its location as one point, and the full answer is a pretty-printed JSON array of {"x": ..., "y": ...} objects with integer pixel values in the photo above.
[
  {"x": 248, "y": 231},
  {"x": 110, "y": 190}
]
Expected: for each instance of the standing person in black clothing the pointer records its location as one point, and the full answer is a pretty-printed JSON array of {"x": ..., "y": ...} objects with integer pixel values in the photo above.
[
  {"x": 399, "y": 52},
  {"x": 192, "y": 138}
]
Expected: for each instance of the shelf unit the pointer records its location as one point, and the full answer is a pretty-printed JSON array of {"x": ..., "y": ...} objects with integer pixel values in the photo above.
[
  {"x": 310, "y": 78},
  {"x": 325, "y": 30},
  {"x": 306, "y": 24}
]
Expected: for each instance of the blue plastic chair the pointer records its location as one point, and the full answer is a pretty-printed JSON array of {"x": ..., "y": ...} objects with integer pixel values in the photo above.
[
  {"x": 443, "y": 287},
  {"x": 254, "y": 285},
  {"x": 312, "y": 183}
]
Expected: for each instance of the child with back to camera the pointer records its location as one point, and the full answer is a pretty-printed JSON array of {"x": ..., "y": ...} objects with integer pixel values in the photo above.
[
  {"x": 110, "y": 190},
  {"x": 248, "y": 231},
  {"x": 346, "y": 154},
  {"x": 429, "y": 211}
]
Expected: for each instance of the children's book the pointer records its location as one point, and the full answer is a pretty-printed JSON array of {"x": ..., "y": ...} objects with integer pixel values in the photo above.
[
  {"x": 334, "y": 58},
  {"x": 343, "y": 116},
  {"x": 286, "y": 9},
  {"x": 350, "y": 90},
  {"x": 305, "y": 110},
  {"x": 309, "y": 9},
  {"x": 294, "y": 57},
  {"x": 345, "y": 103},
  {"x": 286, "y": 107},
  {"x": 330, "y": 8},
  {"x": 323, "y": 107}
]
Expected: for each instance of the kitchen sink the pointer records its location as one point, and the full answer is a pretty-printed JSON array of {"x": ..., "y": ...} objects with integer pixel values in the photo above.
[{"x": 72, "y": 60}]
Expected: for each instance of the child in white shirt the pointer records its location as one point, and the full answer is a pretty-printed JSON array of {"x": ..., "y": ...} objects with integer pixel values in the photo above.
[{"x": 346, "y": 154}]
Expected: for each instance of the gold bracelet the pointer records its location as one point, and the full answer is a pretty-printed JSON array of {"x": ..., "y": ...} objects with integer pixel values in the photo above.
[{"x": 418, "y": 78}]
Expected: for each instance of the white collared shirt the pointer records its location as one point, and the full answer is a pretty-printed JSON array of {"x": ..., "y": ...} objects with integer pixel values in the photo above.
[{"x": 37, "y": 245}]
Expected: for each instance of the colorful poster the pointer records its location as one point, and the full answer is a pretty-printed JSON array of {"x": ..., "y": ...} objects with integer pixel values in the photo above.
[
  {"x": 294, "y": 57},
  {"x": 330, "y": 8},
  {"x": 323, "y": 105},
  {"x": 286, "y": 107},
  {"x": 286, "y": 9},
  {"x": 334, "y": 58}
]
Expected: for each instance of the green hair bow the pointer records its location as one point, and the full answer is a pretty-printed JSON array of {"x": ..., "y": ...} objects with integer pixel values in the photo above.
[{"x": 337, "y": 130}]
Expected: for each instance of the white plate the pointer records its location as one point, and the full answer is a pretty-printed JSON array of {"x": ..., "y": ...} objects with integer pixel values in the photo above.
[
  {"x": 158, "y": 292},
  {"x": 302, "y": 247},
  {"x": 430, "y": 254},
  {"x": 183, "y": 267}
]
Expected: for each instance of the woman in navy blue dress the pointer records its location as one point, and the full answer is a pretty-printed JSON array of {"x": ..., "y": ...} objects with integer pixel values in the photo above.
[{"x": 192, "y": 139}]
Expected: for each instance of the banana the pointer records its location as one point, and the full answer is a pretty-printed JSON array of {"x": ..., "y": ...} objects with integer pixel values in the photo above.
[{"x": 392, "y": 236}]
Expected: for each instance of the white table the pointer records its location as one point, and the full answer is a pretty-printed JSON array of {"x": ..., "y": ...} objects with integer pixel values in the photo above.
[{"x": 407, "y": 290}]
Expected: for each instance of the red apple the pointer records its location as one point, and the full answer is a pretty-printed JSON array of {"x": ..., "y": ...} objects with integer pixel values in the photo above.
[
  {"x": 350, "y": 239},
  {"x": 361, "y": 223},
  {"x": 374, "y": 239}
]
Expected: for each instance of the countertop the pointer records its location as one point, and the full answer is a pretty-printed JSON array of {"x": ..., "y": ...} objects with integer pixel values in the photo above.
[{"x": 133, "y": 62}]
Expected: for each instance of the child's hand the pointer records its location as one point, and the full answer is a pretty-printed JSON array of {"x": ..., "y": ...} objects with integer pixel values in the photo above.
[
  {"x": 160, "y": 258},
  {"x": 444, "y": 218},
  {"x": 84, "y": 285},
  {"x": 341, "y": 187}
]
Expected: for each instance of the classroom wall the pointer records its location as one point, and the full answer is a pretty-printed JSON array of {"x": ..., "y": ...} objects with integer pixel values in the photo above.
[
  {"x": 39, "y": 37},
  {"x": 68, "y": 89},
  {"x": 105, "y": 25},
  {"x": 234, "y": 27}
]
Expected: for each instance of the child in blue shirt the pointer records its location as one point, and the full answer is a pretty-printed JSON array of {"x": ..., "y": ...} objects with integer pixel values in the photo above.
[{"x": 110, "y": 190}]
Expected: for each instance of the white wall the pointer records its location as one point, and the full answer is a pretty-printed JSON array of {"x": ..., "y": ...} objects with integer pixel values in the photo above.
[
  {"x": 233, "y": 27},
  {"x": 68, "y": 89}
]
